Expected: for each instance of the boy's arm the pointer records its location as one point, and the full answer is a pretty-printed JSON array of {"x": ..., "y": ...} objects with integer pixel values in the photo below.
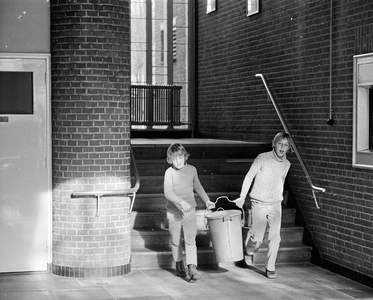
[
  {"x": 254, "y": 169},
  {"x": 197, "y": 186}
]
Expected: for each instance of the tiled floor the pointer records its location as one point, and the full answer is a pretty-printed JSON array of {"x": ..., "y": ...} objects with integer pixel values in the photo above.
[{"x": 226, "y": 282}]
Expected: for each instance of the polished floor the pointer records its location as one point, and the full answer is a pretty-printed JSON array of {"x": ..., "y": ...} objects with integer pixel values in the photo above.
[{"x": 227, "y": 282}]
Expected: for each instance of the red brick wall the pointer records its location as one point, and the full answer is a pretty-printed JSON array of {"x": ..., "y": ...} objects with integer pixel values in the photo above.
[
  {"x": 289, "y": 42},
  {"x": 90, "y": 114}
]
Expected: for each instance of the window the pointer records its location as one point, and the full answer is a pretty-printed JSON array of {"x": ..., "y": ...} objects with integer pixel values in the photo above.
[
  {"x": 211, "y": 6},
  {"x": 363, "y": 111},
  {"x": 160, "y": 47},
  {"x": 16, "y": 95},
  {"x": 252, "y": 7}
]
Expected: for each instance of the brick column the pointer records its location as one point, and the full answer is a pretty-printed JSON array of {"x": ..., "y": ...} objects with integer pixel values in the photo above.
[{"x": 90, "y": 42}]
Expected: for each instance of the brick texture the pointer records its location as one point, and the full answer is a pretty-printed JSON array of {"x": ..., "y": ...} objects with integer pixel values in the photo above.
[
  {"x": 289, "y": 42},
  {"x": 90, "y": 115}
]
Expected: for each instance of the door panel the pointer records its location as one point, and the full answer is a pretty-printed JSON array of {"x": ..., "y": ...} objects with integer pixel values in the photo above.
[{"x": 24, "y": 175}]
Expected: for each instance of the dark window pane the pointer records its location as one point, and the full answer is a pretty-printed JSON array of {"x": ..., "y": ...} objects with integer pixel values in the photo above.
[{"x": 16, "y": 93}]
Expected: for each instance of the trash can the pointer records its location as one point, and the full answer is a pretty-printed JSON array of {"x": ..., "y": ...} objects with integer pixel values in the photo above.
[{"x": 226, "y": 234}]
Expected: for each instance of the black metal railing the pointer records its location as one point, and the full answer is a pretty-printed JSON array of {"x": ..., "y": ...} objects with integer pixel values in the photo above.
[{"x": 153, "y": 105}]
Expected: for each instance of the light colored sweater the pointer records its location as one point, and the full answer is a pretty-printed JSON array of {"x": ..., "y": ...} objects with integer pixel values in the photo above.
[
  {"x": 180, "y": 185},
  {"x": 268, "y": 172}
]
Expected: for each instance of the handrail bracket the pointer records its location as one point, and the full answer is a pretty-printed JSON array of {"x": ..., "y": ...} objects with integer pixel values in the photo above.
[{"x": 131, "y": 192}]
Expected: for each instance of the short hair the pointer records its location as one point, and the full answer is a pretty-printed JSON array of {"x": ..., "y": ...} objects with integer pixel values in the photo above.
[
  {"x": 280, "y": 136},
  {"x": 174, "y": 150}
]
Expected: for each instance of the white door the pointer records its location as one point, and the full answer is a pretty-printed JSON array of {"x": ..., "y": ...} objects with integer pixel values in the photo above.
[{"x": 25, "y": 185}]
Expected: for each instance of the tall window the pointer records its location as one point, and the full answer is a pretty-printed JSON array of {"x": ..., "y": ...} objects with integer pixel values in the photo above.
[
  {"x": 159, "y": 45},
  {"x": 363, "y": 111}
]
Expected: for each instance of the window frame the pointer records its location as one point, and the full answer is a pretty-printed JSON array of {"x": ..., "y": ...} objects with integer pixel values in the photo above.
[{"x": 362, "y": 155}]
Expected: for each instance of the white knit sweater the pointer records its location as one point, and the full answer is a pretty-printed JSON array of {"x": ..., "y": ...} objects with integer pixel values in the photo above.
[{"x": 267, "y": 173}]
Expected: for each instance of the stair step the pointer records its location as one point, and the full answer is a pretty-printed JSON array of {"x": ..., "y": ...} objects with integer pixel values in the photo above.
[
  {"x": 289, "y": 234},
  {"x": 157, "y": 219},
  {"x": 153, "y": 167},
  {"x": 157, "y": 201},
  {"x": 162, "y": 258},
  {"x": 210, "y": 149},
  {"x": 160, "y": 238},
  {"x": 287, "y": 253},
  {"x": 211, "y": 183},
  {"x": 152, "y": 220}
]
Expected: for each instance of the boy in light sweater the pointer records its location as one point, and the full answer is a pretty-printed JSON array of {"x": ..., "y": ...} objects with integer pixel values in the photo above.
[
  {"x": 267, "y": 176},
  {"x": 180, "y": 182}
]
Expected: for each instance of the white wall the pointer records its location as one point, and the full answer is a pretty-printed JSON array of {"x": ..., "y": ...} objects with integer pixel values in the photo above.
[{"x": 25, "y": 26}]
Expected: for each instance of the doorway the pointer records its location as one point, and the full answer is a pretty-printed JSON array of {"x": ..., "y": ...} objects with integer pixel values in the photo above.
[{"x": 25, "y": 163}]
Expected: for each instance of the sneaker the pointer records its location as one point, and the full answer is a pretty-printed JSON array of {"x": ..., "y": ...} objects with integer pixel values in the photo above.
[
  {"x": 193, "y": 273},
  {"x": 271, "y": 274},
  {"x": 180, "y": 269}
]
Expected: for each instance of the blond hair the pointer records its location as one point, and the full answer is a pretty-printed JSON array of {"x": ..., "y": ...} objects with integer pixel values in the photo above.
[{"x": 174, "y": 150}]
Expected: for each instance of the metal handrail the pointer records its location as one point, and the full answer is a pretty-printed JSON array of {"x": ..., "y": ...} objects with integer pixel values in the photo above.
[
  {"x": 313, "y": 187},
  {"x": 131, "y": 192}
]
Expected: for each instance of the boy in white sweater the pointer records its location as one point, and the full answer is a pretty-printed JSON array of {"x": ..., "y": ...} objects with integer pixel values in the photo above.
[
  {"x": 180, "y": 182},
  {"x": 267, "y": 176}
]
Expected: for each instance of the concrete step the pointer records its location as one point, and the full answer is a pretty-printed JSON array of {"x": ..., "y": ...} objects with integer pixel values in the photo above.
[
  {"x": 154, "y": 220},
  {"x": 211, "y": 149},
  {"x": 157, "y": 201},
  {"x": 153, "y": 167},
  {"x": 288, "y": 253},
  {"x": 162, "y": 258},
  {"x": 160, "y": 238},
  {"x": 211, "y": 183}
]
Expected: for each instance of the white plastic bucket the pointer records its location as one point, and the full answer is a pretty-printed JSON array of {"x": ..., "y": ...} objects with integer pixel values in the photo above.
[{"x": 226, "y": 234}]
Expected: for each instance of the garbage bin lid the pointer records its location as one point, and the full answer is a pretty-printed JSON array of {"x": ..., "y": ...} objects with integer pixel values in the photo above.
[{"x": 222, "y": 213}]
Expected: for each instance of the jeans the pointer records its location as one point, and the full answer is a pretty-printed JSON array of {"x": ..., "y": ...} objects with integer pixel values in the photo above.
[
  {"x": 183, "y": 222},
  {"x": 264, "y": 214}
]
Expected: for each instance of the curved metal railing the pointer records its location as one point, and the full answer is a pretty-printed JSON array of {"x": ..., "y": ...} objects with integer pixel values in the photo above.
[
  {"x": 308, "y": 177},
  {"x": 131, "y": 192}
]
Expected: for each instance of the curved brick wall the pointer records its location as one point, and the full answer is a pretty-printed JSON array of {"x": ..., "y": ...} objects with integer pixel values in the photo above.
[{"x": 90, "y": 111}]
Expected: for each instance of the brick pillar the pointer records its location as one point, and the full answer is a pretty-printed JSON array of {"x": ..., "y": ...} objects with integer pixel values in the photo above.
[{"x": 90, "y": 113}]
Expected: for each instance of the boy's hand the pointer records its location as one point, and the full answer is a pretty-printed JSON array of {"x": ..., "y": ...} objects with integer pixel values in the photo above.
[
  {"x": 185, "y": 206},
  {"x": 240, "y": 202},
  {"x": 210, "y": 204}
]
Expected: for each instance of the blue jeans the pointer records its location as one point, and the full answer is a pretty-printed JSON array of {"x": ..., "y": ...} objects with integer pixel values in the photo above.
[
  {"x": 264, "y": 214},
  {"x": 183, "y": 222}
]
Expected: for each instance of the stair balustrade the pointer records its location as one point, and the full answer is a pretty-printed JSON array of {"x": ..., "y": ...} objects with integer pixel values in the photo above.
[
  {"x": 156, "y": 105},
  {"x": 284, "y": 125}
]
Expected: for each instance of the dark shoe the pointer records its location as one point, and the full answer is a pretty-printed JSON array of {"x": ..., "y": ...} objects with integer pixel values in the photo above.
[
  {"x": 271, "y": 274},
  {"x": 240, "y": 264},
  {"x": 193, "y": 273},
  {"x": 180, "y": 269}
]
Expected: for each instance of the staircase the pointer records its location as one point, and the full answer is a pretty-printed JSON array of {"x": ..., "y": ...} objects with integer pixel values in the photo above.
[{"x": 222, "y": 166}]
